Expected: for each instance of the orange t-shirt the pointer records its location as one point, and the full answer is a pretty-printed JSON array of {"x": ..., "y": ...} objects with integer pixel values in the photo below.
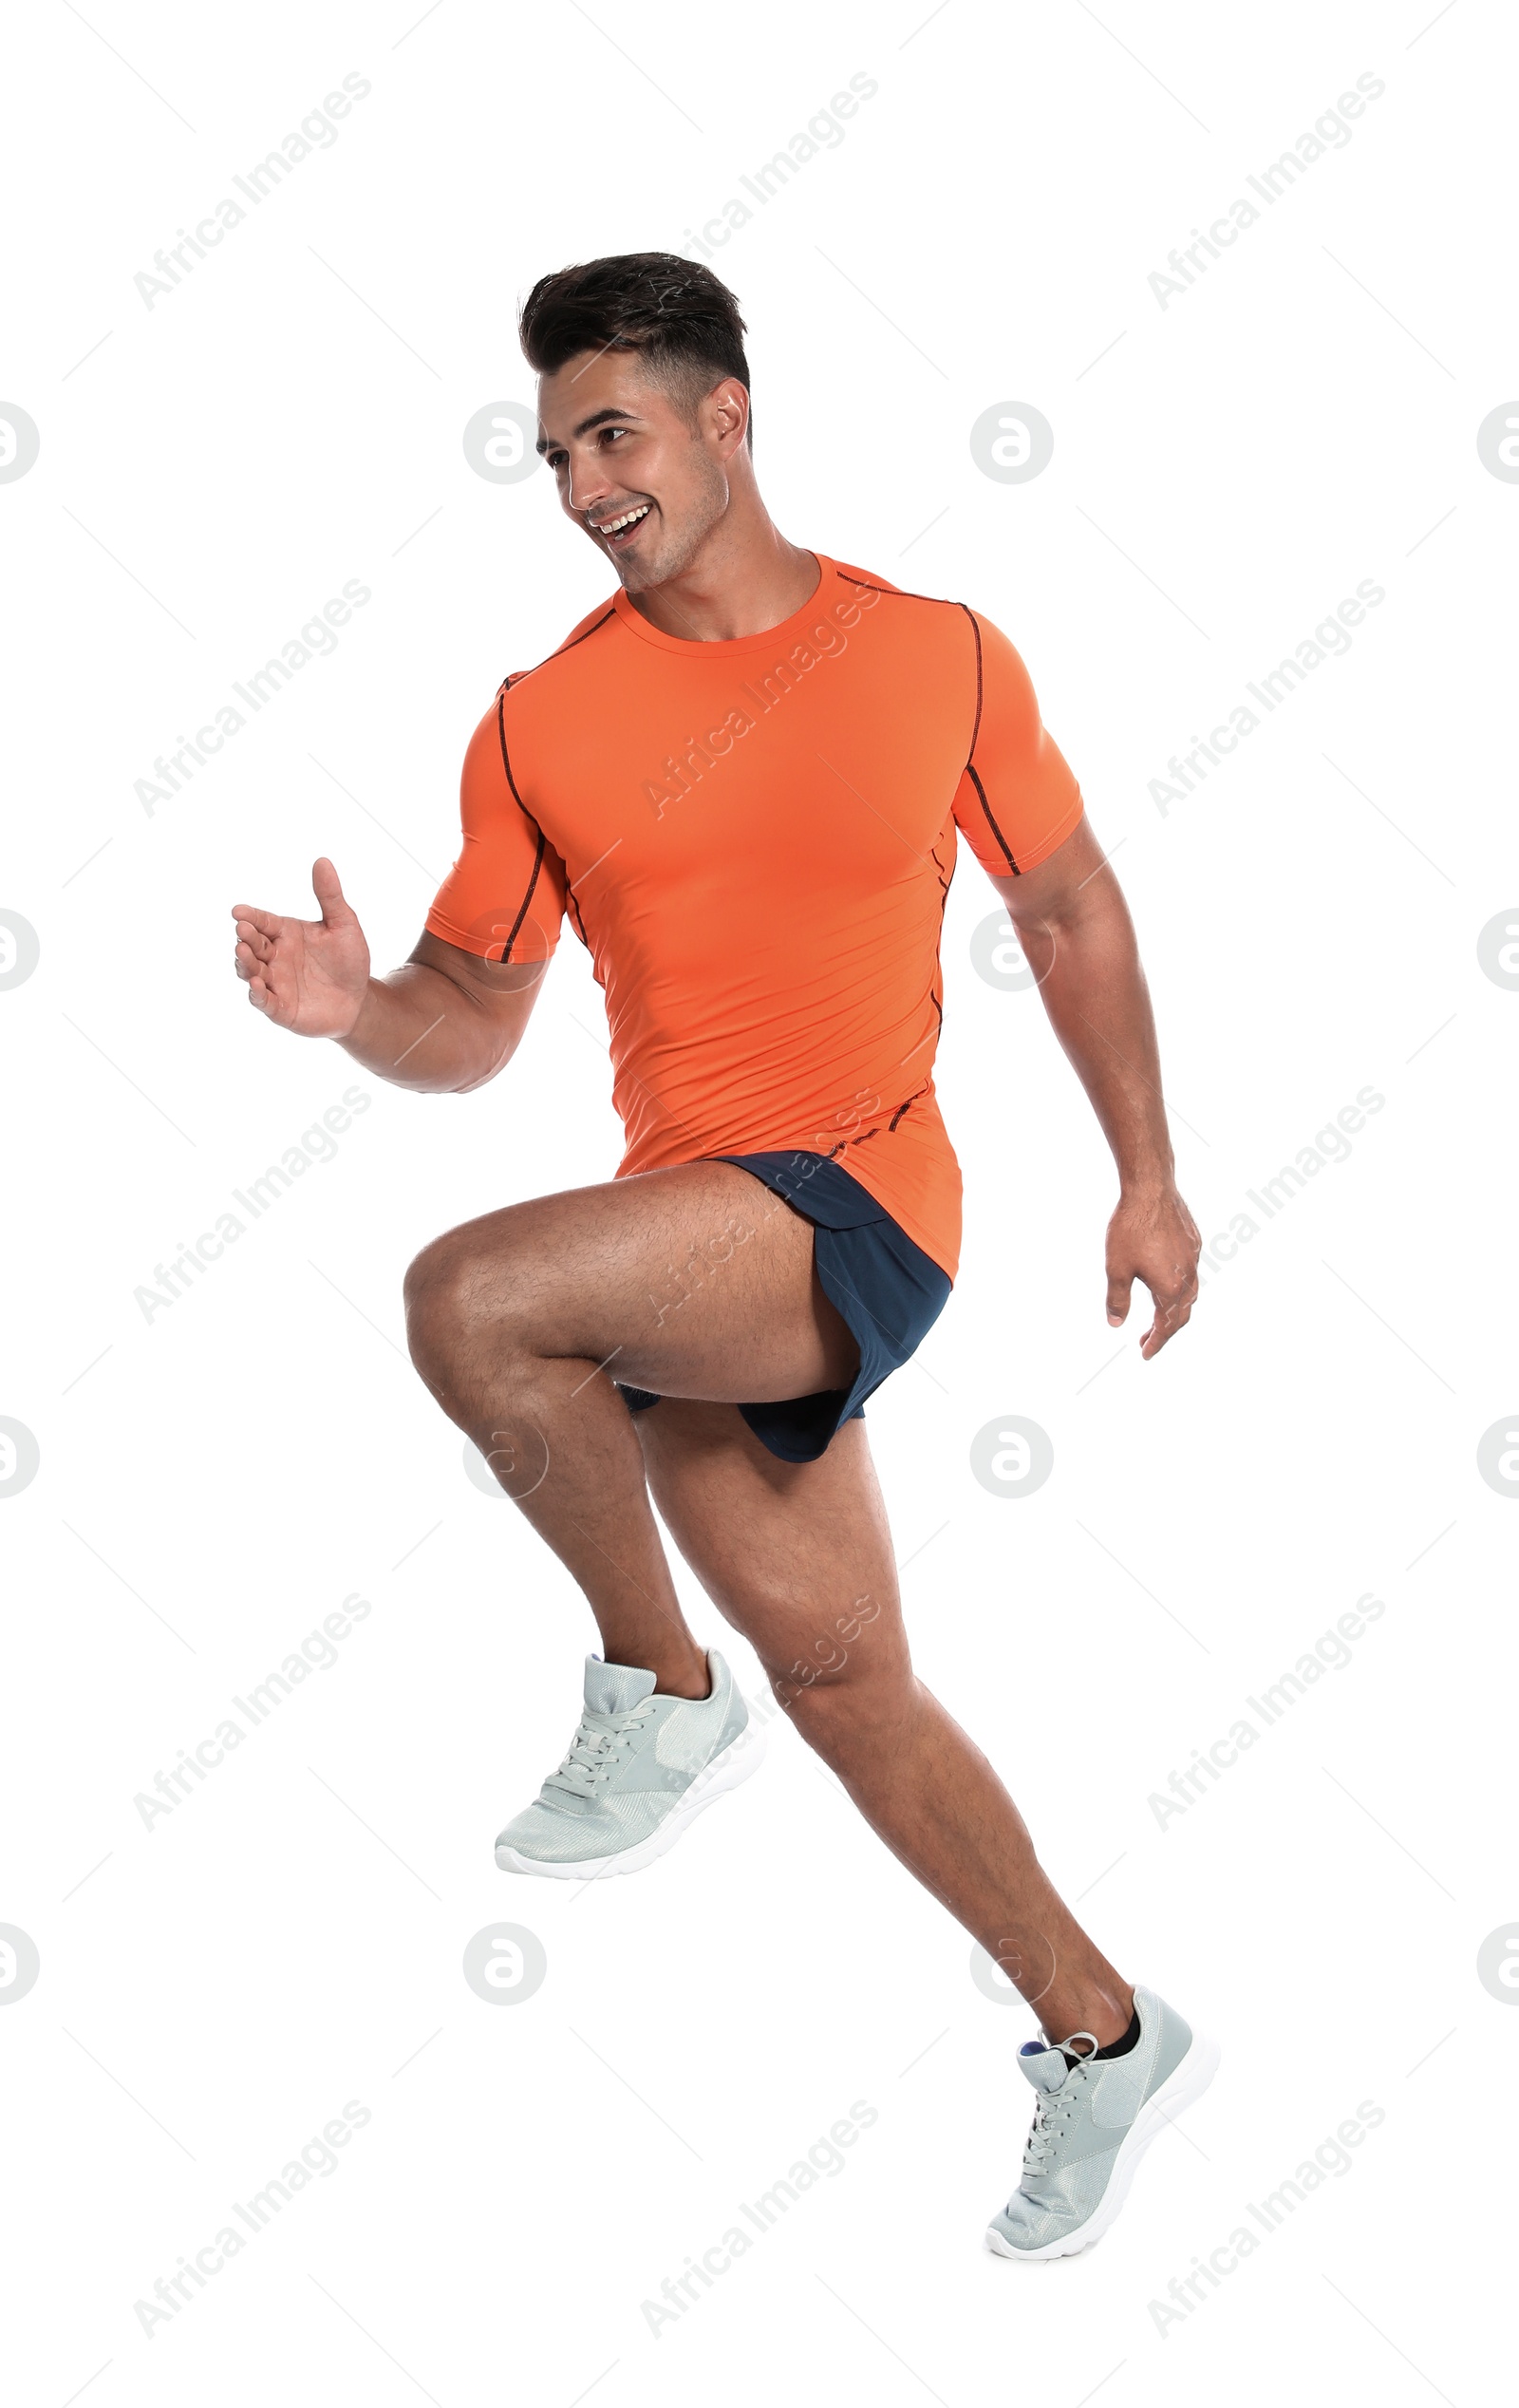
[{"x": 755, "y": 840}]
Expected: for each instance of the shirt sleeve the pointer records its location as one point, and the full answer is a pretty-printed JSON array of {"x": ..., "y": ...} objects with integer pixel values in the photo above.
[
  {"x": 1018, "y": 800},
  {"x": 504, "y": 896}
]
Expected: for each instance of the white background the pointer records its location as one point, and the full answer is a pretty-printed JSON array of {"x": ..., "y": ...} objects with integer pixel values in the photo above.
[{"x": 217, "y": 1479}]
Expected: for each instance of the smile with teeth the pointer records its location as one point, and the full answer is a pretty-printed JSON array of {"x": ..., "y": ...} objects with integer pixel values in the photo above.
[{"x": 628, "y": 519}]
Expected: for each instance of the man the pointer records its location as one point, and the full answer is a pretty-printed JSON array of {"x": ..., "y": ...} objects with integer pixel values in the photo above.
[{"x": 743, "y": 778}]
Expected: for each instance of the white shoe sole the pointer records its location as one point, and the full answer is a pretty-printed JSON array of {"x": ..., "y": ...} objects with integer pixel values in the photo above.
[
  {"x": 742, "y": 1757},
  {"x": 1184, "y": 2083}
]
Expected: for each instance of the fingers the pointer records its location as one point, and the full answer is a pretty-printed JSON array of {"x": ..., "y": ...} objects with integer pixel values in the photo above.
[
  {"x": 1157, "y": 1243},
  {"x": 264, "y": 999},
  {"x": 253, "y": 940},
  {"x": 249, "y": 967},
  {"x": 252, "y": 952},
  {"x": 1162, "y": 1329},
  {"x": 1173, "y": 1310},
  {"x": 252, "y": 956},
  {"x": 262, "y": 923}
]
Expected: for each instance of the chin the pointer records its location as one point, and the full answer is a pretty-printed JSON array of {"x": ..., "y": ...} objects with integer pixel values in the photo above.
[
  {"x": 669, "y": 559},
  {"x": 637, "y": 575}
]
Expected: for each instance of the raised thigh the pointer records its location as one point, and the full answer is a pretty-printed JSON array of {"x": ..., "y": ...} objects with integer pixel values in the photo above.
[
  {"x": 797, "y": 1556},
  {"x": 693, "y": 1282}
]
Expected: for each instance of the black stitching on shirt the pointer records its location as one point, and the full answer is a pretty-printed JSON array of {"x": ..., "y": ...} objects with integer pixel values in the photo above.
[{"x": 542, "y": 845}]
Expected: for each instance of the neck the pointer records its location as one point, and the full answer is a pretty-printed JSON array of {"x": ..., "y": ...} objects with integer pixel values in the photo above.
[{"x": 745, "y": 577}]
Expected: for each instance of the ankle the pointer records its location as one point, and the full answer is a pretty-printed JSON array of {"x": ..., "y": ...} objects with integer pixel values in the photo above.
[
  {"x": 1106, "y": 2012},
  {"x": 690, "y": 1677},
  {"x": 678, "y": 1665}
]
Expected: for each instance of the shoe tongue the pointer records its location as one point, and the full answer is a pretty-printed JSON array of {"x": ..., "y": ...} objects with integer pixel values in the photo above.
[
  {"x": 612, "y": 1688},
  {"x": 1044, "y": 2067}
]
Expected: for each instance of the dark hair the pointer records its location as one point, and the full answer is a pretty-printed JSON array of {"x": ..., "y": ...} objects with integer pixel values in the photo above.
[{"x": 676, "y": 315}]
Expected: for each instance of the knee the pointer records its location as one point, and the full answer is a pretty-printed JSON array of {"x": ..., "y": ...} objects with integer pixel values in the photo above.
[
  {"x": 449, "y": 1290},
  {"x": 853, "y": 1708}
]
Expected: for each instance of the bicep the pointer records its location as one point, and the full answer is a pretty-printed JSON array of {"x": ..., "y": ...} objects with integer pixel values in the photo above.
[
  {"x": 500, "y": 994},
  {"x": 1054, "y": 890}
]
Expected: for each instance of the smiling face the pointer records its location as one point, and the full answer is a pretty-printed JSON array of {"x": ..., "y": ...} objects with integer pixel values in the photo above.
[{"x": 643, "y": 475}]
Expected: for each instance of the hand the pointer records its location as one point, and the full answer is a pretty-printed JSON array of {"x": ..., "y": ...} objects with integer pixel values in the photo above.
[
  {"x": 1153, "y": 1237},
  {"x": 309, "y": 975}
]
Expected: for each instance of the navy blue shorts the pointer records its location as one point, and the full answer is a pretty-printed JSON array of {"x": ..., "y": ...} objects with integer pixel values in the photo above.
[{"x": 887, "y": 1289}]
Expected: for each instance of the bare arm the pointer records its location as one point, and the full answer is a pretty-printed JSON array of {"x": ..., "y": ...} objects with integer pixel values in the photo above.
[
  {"x": 443, "y": 1023},
  {"x": 1075, "y": 928}
]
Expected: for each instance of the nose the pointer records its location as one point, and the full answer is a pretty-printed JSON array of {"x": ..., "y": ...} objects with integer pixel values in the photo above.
[{"x": 586, "y": 484}]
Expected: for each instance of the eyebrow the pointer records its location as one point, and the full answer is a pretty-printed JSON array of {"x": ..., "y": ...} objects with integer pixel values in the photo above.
[{"x": 597, "y": 418}]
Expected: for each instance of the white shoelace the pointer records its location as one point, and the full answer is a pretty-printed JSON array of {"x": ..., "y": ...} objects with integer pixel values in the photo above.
[
  {"x": 598, "y": 1748},
  {"x": 1055, "y": 2107}
]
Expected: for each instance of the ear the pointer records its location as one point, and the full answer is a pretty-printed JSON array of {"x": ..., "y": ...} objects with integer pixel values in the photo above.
[{"x": 725, "y": 416}]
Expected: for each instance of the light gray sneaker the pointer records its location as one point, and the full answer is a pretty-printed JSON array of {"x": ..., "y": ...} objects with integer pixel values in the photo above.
[
  {"x": 1093, "y": 2125},
  {"x": 639, "y": 1771}
]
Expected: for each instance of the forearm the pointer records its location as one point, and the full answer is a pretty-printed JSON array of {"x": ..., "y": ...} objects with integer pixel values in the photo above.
[
  {"x": 418, "y": 1028},
  {"x": 1098, "y": 1003}
]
